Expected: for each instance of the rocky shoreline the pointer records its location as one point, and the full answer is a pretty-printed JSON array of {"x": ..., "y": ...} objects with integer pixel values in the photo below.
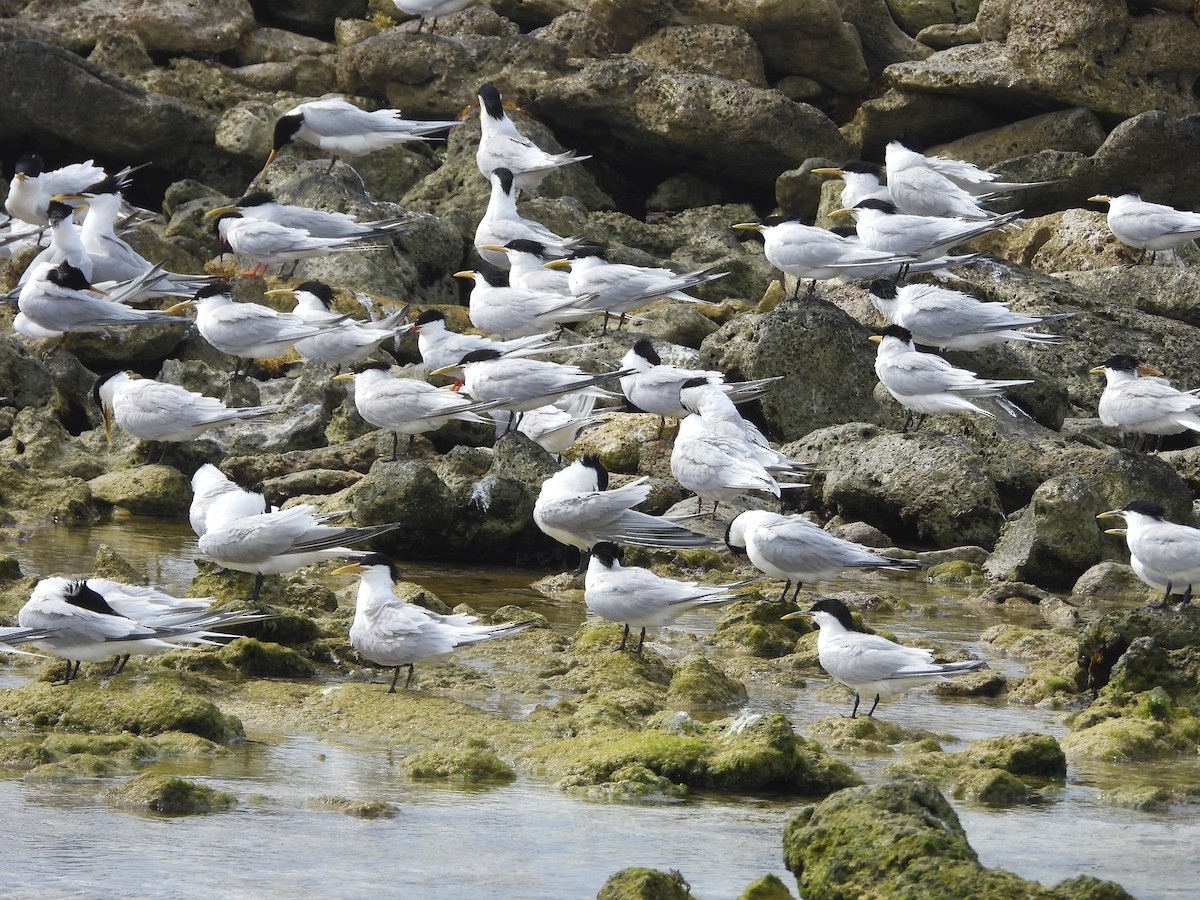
[{"x": 698, "y": 116}]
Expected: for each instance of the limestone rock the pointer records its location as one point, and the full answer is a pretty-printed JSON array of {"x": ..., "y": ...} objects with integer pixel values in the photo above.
[
  {"x": 147, "y": 490},
  {"x": 705, "y": 49},
  {"x": 164, "y": 28}
]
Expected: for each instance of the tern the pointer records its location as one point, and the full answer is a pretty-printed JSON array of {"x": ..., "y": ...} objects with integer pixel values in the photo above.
[
  {"x": 951, "y": 320},
  {"x": 278, "y": 542},
  {"x": 91, "y": 621},
  {"x": 500, "y": 309},
  {"x": 60, "y": 300},
  {"x": 527, "y": 269},
  {"x": 576, "y": 508},
  {"x": 804, "y": 251},
  {"x": 502, "y": 223},
  {"x": 799, "y": 552},
  {"x": 263, "y": 206},
  {"x": 979, "y": 182},
  {"x": 393, "y": 633},
  {"x": 523, "y": 383},
  {"x": 1148, "y": 226},
  {"x": 209, "y": 483},
  {"x": 409, "y": 406},
  {"x": 247, "y": 331},
  {"x": 638, "y": 597},
  {"x": 870, "y": 663},
  {"x": 617, "y": 288},
  {"x": 440, "y": 347},
  {"x": 553, "y": 427},
  {"x": 862, "y": 182},
  {"x": 160, "y": 412},
  {"x": 501, "y": 146},
  {"x": 32, "y": 187},
  {"x": 715, "y": 466},
  {"x": 918, "y": 189},
  {"x": 346, "y": 345},
  {"x": 925, "y": 383},
  {"x": 1143, "y": 405},
  {"x": 429, "y": 10},
  {"x": 343, "y": 130},
  {"x": 882, "y": 228},
  {"x": 1162, "y": 553},
  {"x": 268, "y": 243}
]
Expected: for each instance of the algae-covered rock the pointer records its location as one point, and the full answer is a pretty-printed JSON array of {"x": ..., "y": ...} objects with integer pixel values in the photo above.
[
  {"x": 257, "y": 659},
  {"x": 358, "y": 809},
  {"x": 756, "y": 627},
  {"x": 644, "y": 884},
  {"x": 867, "y": 735},
  {"x": 698, "y": 684},
  {"x": 1127, "y": 725},
  {"x": 119, "y": 705},
  {"x": 991, "y": 770},
  {"x": 632, "y": 782},
  {"x": 769, "y": 887},
  {"x": 991, "y": 787},
  {"x": 474, "y": 764},
  {"x": 899, "y": 838},
  {"x": 169, "y": 796}
]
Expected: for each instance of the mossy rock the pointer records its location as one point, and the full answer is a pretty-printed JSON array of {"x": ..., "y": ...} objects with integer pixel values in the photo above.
[
  {"x": 631, "y": 782},
  {"x": 644, "y": 884},
  {"x": 956, "y": 571},
  {"x": 1142, "y": 797},
  {"x": 73, "y": 767},
  {"x": 755, "y": 627},
  {"x": 769, "y": 887},
  {"x": 146, "y": 491},
  {"x": 866, "y": 735},
  {"x": 698, "y": 684},
  {"x": 1131, "y": 727},
  {"x": 991, "y": 787},
  {"x": 358, "y": 809},
  {"x": 1031, "y": 756},
  {"x": 256, "y": 659},
  {"x": 142, "y": 709},
  {"x": 169, "y": 796},
  {"x": 472, "y": 765}
]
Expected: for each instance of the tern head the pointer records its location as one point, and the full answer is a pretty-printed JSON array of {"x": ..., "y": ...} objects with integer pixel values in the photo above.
[
  {"x": 29, "y": 165},
  {"x": 369, "y": 561},
  {"x": 735, "y": 535},
  {"x": 1146, "y": 508},
  {"x": 899, "y": 332},
  {"x": 522, "y": 245},
  {"x": 646, "y": 351},
  {"x": 592, "y": 461},
  {"x": 884, "y": 289},
  {"x": 428, "y": 318},
  {"x": 690, "y": 399},
  {"x": 57, "y": 212},
  {"x": 254, "y": 198},
  {"x": 1122, "y": 362},
  {"x": 830, "y": 609},
  {"x": 318, "y": 289},
  {"x": 491, "y": 101},
  {"x": 503, "y": 178},
  {"x": 67, "y": 276},
  {"x": 219, "y": 292},
  {"x": 77, "y": 593},
  {"x": 105, "y": 388},
  {"x": 884, "y": 206},
  {"x": 607, "y": 554}
]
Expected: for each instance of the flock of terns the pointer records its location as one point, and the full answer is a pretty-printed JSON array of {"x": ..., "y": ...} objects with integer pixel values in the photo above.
[{"x": 528, "y": 283}]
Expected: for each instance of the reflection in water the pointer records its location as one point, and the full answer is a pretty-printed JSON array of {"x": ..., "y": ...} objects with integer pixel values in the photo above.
[{"x": 526, "y": 840}]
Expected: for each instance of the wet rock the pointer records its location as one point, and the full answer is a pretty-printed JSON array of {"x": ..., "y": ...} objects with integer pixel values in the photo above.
[
  {"x": 643, "y": 884},
  {"x": 868, "y": 735},
  {"x": 169, "y": 796},
  {"x": 956, "y": 572},
  {"x": 698, "y": 684},
  {"x": 407, "y": 492},
  {"x": 471, "y": 765},
  {"x": 256, "y": 659},
  {"x": 38, "y": 497},
  {"x": 900, "y": 836},
  {"x": 25, "y": 377},
  {"x": 1104, "y": 641},
  {"x": 1075, "y": 53},
  {"x": 144, "y": 491},
  {"x": 1027, "y": 755},
  {"x": 800, "y": 341},
  {"x": 357, "y": 809},
  {"x": 705, "y": 49},
  {"x": 768, "y": 887},
  {"x": 1145, "y": 726},
  {"x": 991, "y": 787},
  {"x": 755, "y": 627}
]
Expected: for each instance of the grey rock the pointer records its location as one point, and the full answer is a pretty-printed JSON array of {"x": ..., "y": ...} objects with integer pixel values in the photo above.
[
  {"x": 921, "y": 117},
  {"x": 1109, "y": 580},
  {"x": 884, "y": 41},
  {"x": 406, "y": 491},
  {"x": 166, "y": 27},
  {"x": 313, "y": 15},
  {"x": 1075, "y": 130},
  {"x": 579, "y": 34},
  {"x": 722, "y": 50},
  {"x": 25, "y": 378},
  {"x": 144, "y": 491},
  {"x": 913, "y": 15}
]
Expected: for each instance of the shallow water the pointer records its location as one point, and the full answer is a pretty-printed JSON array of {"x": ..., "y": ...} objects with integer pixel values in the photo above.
[{"x": 525, "y": 839}]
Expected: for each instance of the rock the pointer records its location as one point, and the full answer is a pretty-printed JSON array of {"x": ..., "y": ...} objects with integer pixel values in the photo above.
[
  {"x": 472, "y": 765},
  {"x": 579, "y": 34},
  {"x": 164, "y": 28},
  {"x": 1074, "y": 53},
  {"x": 145, "y": 491},
  {"x": 991, "y": 787},
  {"x": 697, "y": 684},
  {"x": 1126, "y": 727},
  {"x": 1104, "y": 642},
  {"x": 913, "y": 15},
  {"x": 1109, "y": 580},
  {"x": 25, "y": 378},
  {"x": 801, "y": 341},
  {"x": 256, "y": 659},
  {"x": 405, "y": 492},
  {"x": 722, "y": 50},
  {"x": 169, "y": 796},
  {"x": 1075, "y": 130},
  {"x": 755, "y": 627},
  {"x": 900, "y": 836},
  {"x": 314, "y": 15},
  {"x": 884, "y": 42},
  {"x": 644, "y": 884},
  {"x": 768, "y": 887},
  {"x": 880, "y": 477},
  {"x": 923, "y": 118},
  {"x": 358, "y": 809}
]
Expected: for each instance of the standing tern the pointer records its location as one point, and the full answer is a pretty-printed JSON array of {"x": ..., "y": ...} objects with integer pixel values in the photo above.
[
  {"x": 925, "y": 383},
  {"x": 502, "y": 222},
  {"x": 498, "y": 308},
  {"x": 278, "y": 542},
  {"x": 715, "y": 466},
  {"x": 883, "y": 228},
  {"x": 409, "y": 406},
  {"x": 527, "y": 269},
  {"x": 89, "y": 624},
  {"x": 796, "y": 550},
  {"x": 1162, "y": 553},
  {"x": 918, "y": 189},
  {"x": 553, "y": 427},
  {"x": 501, "y": 146},
  {"x": 393, "y": 633},
  {"x": 523, "y": 383},
  {"x": 576, "y": 508},
  {"x": 343, "y": 130},
  {"x": 440, "y": 347},
  {"x": 1148, "y": 226},
  {"x": 156, "y": 411},
  {"x": 263, "y": 206},
  {"x": 346, "y": 345},
  {"x": 871, "y": 663},
  {"x": 804, "y": 251},
  {"x": 638, "y": 597},
  {"x": 951, "y": 320},
  {"x": 1143, "y": 405},
  {"x": 209, "y": 483}
]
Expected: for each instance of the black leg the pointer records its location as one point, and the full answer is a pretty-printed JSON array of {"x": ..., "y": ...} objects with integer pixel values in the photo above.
[
  {"x": 854, "y": 708},
  {"x": 873, "y": 705},
  {"x": 796, "y": 593},
  {"x": 699, "y": 503},
  {"x": 662, "y": 423},
  {"x": 585, "y": 557},
  {"x": 1187, "y": 595},
  {"x": 787, "y": 584},
  {"x": 641, "y": 640},
  {"x": 408, "y": 680},
  {"x": 716, "y": 503},
  {"x": 395, "y": 676},
  {"x": 624, "y": 638},
  {"x": 259, "y": 578},
  {"x": 118, "y": 666}
]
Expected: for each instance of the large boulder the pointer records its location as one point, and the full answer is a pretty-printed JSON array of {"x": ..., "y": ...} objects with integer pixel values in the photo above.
[{"x": 168, "y": 27}]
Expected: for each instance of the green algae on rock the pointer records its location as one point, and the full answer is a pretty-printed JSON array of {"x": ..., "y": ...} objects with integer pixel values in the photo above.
[
  {"x": 644, "y": 884},
  {"x": 901, "y": 838},
  {"x": 472, "y": 765},
  {"x": 168, "y": 796},
  {"x": 358, "y": 809},
  {"x": 755, "y": 627},
  {"x": 698, "y": 684},
  {"x": 769, "y": 887},
  {"x": 993, "y": 771}
]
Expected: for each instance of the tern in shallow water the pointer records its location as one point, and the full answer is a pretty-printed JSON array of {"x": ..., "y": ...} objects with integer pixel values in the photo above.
[
  {"x": 927, "y": 384},
  {"x": 394, "y": 633},
  {"x": 1162, "y": 553},
  {"x": 1148, "y": 226},
  {"x": 501, "y": 146},
  {"x": 796, "y": 550},
  {"x": 1136, "y": 401},
  {"x": 951, "y": 320},
  {"x": 343, "y": 130},
  {"x": 870, "y": 663},
  {"x": 638, "y": 597}
]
